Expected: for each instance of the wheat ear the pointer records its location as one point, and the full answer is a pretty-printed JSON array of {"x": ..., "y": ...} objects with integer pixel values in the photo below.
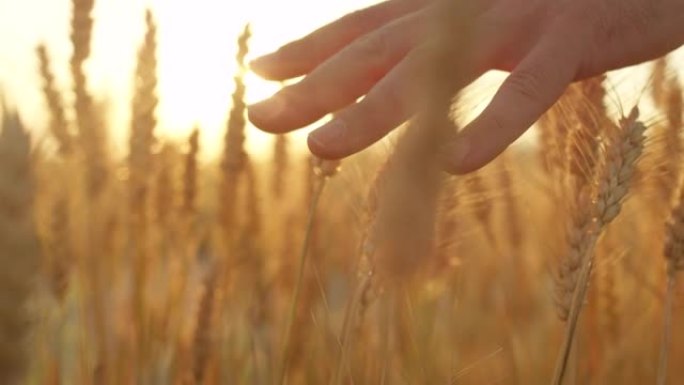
[
  {"x": 623, "y": 148},
  {"x": 90, "y": 129},
  {"x": 234, "y": 158},
  {"x": 59, "y": 127}
]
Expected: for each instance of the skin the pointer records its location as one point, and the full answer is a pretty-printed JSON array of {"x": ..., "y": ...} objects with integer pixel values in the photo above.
[{"x": 374, "y": 52}]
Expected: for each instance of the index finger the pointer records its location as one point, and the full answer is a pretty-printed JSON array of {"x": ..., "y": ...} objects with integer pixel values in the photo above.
[{"x": 301, "y": 56}]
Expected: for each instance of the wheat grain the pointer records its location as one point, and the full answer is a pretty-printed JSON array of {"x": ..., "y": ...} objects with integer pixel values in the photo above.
[
  {"x": 623, "y": 148},
  {"x": 588, "y": 120}
]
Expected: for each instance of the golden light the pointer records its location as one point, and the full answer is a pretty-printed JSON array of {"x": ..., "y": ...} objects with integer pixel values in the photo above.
[
  {"x": 197, "y": 47},
  {"x": 196, "y": 57}
]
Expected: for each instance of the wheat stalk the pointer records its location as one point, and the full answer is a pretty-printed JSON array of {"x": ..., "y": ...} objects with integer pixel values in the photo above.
[
  {"x": 323, "y": 170},
  {"x": 280, "y": 165},
  {"x": 143, "y": 119},
  {"x": 407, "y": 203},
  {"x": 659, "y": 70},
  {"x": 190, "y": 171},
  {"x": 59, "y": 127},
  {"x": 91, "y": 134},
  {"x": 60, "y": 249},
  {"x": 140, "y": 160},
  {"x": 554, "y": 128},
  {"x": 623, "y": 148},
  {"x": 19, "y": 249},
  {"x": 165, "y": 197},
  {"x": 588, "y": 118},
  {"x": 234, "y": 156},
  {"x": 364, "y": 282},
  {"x": 202, "y": 342},
  {"x": 510, "y": 197},
  {"x": 674, "y": 254}
]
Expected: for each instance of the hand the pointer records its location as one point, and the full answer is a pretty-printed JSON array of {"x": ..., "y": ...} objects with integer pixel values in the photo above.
[{"x": 545, "y": 44}]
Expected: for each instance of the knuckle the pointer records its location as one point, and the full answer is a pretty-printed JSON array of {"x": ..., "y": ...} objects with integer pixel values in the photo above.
[
  {"x": 389, "y": 100},
  {"x": 362, "y": 19},
  {"x": 368, "y": 113},
  {"x": 304, "y": 97},
  {"x": 527, "y": 83},
  {"x": 374, "y": 48},
  {"x": 302, "y": 49},
  {"x": 394, "y": 100},
  {"x": 496, "y": 122}
]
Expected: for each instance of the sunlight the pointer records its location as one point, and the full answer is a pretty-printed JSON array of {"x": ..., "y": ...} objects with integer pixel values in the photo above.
[
  {"x": 196, "y": 58},
  {"x": 196, "y": 69}
]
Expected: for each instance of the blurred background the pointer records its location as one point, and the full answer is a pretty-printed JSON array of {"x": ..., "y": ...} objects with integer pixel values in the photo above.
[{"x": 150, "y": 235}]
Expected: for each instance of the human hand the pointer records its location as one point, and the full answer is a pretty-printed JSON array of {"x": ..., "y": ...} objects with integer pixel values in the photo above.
[{"x": 545, "y": 44}]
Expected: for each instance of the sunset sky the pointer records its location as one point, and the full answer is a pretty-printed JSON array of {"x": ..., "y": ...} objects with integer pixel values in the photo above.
[{"x": 196, "y": 55}]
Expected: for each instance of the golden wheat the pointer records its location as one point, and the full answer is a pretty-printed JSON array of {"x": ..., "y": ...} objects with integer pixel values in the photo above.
[
  {"x": 624, "y": 147},
  {"x": 19, "y": 249},
  {"x": 58, "y": 123},
  {"x": 164, "y": 269}
]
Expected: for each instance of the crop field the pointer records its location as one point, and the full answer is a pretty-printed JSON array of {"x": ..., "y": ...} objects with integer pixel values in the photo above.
[{"x": 558, "y": 263}]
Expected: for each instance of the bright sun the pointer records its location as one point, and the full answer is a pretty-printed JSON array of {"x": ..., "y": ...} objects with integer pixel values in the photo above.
[
  {"x": 197, "y": 58},
  {"x": 197, "y": 47}
]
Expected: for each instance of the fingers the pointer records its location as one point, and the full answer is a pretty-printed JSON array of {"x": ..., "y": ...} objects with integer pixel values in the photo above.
[
  {"x": 386, "y": 106},
  {"x": 303, "y": 55},
  {"x": 340, "y": 80},
  {"x": 533, "y": 86}
]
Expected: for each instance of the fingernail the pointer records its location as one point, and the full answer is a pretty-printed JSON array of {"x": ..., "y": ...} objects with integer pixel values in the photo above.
[
  {"x": 262, "y": 61},
  {"x": 327, "y": 135},
  {"x": 269, "y": 109},
  {"x": 453, "y": 155}
]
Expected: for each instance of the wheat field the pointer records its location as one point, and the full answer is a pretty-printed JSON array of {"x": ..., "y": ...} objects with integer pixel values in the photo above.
[{"x": 557, "y": 263}]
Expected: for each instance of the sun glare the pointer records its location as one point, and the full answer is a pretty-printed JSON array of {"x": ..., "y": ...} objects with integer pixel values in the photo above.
[
  {"x": 196, "y": 57},
  {"x": 196, "y": 68}
]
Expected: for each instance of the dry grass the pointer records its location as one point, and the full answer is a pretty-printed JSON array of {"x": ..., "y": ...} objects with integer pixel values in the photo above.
[{"x": 154, "y": 267}]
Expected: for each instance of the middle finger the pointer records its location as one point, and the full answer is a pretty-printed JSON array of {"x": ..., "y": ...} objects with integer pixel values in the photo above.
[{"x": 341, "y": 79}]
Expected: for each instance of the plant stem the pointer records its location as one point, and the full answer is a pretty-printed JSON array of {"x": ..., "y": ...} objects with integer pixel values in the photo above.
[
  {"x": 577, "y": 301},
  {"x": 667, "y": 331},
  {"x": 300, "y": 278}
]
